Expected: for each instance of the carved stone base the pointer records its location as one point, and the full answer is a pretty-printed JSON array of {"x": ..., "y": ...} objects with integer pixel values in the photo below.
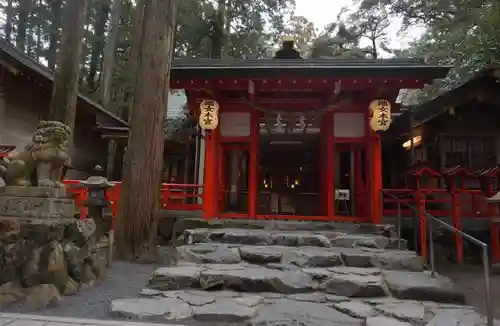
[
  {"x": 45, "y": 258},
  {"x": 35, "y": 202},
  {"x": 42, "y": 192}
]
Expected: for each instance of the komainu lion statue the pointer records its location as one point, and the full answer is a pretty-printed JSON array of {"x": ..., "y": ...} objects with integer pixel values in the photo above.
[{"x": 41, "y": 162}]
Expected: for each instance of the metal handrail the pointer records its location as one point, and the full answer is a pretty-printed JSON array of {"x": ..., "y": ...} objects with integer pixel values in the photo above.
[{"x": 431, "y": 219}]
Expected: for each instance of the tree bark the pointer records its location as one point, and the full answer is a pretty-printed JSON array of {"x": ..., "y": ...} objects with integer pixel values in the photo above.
[
  {"x": 65, "y": 90},
  {"x": 137, "y": 17},
  {"x": 39, "y": 31},
  {"x": 108, "y": 61},
  {"x": 9, "y": 13},
  {"x": 3, "y": 104},
  {"x": 98, "y": 43},
  {"x": 218, "y": 25},
  {"x": 140, "y": 193},
  {"x": 55, "y": 25},
  {"x": 22, "y": 25}
]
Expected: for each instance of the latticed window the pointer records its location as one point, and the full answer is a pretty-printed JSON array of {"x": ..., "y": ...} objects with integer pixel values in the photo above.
[{"x": 471, "y": 152}]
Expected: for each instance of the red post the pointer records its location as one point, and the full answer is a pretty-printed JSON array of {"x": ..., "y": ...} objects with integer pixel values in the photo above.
[
  {"x": 323, "y": 169},
  {"x": 358, "y": 184},
  {"x": 165, "y": 194},
  {"x": 495, "y": 242},
  {"x": 253, "y": 182},
  {"x": 420, "y": 198},
  {"x": 376, "y": 177},
  {"x": 210, "y": 189},
  {"x": 330, "y": 165},
  {"x": 113, "y": 195},
  {"x": 457, "y": 223},
  {"x": 221, "y": 188}
]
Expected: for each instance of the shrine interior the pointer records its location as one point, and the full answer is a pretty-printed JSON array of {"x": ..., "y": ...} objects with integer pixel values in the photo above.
[
  {"x": 289, "y": 177},
  {"x": 291, "y": 163}
]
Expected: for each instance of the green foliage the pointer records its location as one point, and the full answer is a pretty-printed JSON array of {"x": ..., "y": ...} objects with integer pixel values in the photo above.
[
  {"x": 246, "y": 27},
  {"x": 233, "y": 28},
  {"x": 462, "y": 33},
  {"x": 342, "y": 37}
]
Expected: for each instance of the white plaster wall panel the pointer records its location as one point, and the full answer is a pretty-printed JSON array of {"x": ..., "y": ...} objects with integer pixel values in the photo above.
[
  {"x": 235, "y": 124},
  {"x": 349, "y": 125}
]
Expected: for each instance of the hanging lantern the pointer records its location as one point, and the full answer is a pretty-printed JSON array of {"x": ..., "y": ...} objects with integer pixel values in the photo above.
[
  {"x": 209, "y": 115},
  {"x": 380, "y": 115}
]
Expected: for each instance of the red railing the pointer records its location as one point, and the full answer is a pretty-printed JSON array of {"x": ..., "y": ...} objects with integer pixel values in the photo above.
[
  {"x": 439, "y": 202},
  {"x": 5, "y": 150},
  {"x": 78, "y": 194},
  {"x": 181, "y": 196},
  {"x": 457, "y": 204},
  {"x": 172, "y": 196}
]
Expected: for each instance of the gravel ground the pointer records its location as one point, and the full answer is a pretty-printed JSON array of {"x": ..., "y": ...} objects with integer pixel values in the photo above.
[{"x": 125, "y": 280}]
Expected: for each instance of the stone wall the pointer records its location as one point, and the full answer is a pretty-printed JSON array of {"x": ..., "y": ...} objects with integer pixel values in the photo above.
[{"x": 42, "y": 259}]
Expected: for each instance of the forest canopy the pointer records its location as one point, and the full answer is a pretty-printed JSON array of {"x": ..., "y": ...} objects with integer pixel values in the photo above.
[{"x": 462, "y": 33}]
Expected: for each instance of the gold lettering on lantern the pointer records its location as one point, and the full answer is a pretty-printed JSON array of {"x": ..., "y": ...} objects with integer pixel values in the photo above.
[
  {"x": 209, "y": 114},
  {"x": 380, "y": 115}
]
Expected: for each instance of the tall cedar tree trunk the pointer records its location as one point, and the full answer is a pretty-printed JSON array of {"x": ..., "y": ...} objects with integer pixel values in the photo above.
[
  {"x": 218, "y": 36},
  {"x": 98, "y": 43},
  {"x": 9, "y": 13},
  {"x": 87, "y": 47},
  {"x": 65, "y": 90},
  {"x": 108, "y": 61},
  {"x": 137, "y": 17},
  {"x": 22, "y": 24},
  {"x": 140, "y": 193},
  {"x": 39, "y": 30},
  {"x": 3, "y": 104},
  {"x": 55, "y": 25}
]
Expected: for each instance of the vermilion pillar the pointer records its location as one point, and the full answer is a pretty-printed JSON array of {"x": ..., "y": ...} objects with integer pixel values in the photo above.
[
  {"x": 359, "y": 188},
  {"x": 221, "y": 185},
  {"x": 210, "y": 182},
  {"x": 330, "y": 165},
  {"x": 253, "y": 182},
  {"x": 323, "y": 168},
  {"x": 376, "y": 177}
]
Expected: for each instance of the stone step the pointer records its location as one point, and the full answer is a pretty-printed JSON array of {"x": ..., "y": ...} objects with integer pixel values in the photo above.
[
  {"x": 285, "y": 257},
  {"x": 291, "y": 238},
  {"x": 340, "y": 280},
  {"x": 346, "y": 227},
  {"x": 312, "y": 309}
]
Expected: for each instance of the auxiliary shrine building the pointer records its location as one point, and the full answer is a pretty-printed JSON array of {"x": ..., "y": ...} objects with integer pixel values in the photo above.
[{"x": 292, "y": 138}]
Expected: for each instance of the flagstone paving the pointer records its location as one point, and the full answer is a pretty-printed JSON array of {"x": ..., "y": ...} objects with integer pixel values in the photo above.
[
  {"x": 337, "y": 275},
  {"x": 7, "y": 319}
]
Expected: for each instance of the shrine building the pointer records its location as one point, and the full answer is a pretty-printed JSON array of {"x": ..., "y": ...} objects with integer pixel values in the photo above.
[
  {"x": 292, "y": 138},
  {"x": 25, "y": 95}
]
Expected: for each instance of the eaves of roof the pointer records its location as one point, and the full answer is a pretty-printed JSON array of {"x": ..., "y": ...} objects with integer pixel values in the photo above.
[{"x": 8, "y": 49}]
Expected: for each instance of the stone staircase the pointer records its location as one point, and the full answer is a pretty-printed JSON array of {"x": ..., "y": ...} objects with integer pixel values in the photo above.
[{"x": 295, "y": 273}]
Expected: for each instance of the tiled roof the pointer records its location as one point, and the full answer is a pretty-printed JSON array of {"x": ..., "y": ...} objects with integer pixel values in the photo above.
[{"x": 8, "y": 49}]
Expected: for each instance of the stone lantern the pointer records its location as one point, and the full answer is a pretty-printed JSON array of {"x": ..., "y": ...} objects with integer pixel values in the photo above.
[{"x": 96, "y": 186}]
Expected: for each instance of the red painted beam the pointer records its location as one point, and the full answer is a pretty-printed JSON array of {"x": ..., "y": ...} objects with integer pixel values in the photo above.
[{"x": 296, "y": 83}]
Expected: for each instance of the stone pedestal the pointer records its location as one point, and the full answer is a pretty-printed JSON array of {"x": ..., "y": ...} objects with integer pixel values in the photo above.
[
  {"x": 45, "y": 258},
  {"x": 45, "y": 252},
  {"x": 35, "y": 202}
]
